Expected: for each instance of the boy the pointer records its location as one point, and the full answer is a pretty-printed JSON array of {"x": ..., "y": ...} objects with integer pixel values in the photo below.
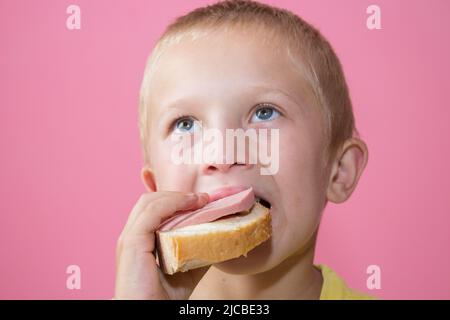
[{"x": 242, "y": 64}]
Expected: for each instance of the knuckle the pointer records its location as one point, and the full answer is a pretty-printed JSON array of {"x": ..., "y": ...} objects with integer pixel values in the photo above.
[
  {"x": 157, "y": 206},
  {"x": 138, "y": 242},
  {"x": 144, "y": 197}
]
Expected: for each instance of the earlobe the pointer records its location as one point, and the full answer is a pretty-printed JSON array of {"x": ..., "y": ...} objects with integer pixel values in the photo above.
[
  {"x": 148, "y": 178},
  {"x": 347, "y": 169}
]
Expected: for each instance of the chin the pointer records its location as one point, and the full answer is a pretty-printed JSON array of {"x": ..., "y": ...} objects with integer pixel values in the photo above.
[{"x": 257, "y": 261}]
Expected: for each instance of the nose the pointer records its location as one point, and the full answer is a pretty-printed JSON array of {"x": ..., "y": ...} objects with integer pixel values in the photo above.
[
  {"x": 211, "y": 168},
  {"x": 233, "y": 157}
]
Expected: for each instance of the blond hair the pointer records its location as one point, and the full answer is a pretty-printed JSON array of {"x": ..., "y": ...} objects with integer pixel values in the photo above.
[{"x": 319, "y": 64}]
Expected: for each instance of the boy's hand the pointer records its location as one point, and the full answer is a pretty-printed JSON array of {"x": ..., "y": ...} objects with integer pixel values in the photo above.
[{"x": 137, "y": 275}]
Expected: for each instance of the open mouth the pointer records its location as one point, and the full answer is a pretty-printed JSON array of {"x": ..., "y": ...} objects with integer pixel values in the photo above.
[{"x": 264, "y": 202}]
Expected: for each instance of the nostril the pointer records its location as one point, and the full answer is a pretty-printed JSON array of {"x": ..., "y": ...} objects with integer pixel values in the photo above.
[
  {"x": 241, "y": 164},
  {"x": 212, "y": 167}
]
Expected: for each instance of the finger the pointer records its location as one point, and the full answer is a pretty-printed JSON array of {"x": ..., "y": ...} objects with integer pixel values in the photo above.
[
  {"x": 141, "y": 233},
  {"x": 177, "y": 197},
  {"x": 163, "y": 208},
  {"x": 148, "y": 198},
  {"x": 136, "y": 277},
  {"x": 140, "y": 206}
]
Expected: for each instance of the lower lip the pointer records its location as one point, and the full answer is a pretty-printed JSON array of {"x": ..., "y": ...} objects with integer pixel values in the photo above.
[{"x": 225, "y": 192}]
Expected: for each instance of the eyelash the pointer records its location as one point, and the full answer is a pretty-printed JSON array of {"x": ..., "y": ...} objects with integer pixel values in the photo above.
[
  {"x": 265, "y": 105},
  {"x": 176, "y": 120},
  {"x": 256, "y": 108}
]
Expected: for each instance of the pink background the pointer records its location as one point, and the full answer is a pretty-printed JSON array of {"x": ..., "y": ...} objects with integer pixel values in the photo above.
[{"x": 70, "y": 155}]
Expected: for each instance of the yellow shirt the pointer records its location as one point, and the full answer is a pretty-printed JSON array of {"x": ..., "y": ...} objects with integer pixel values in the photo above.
[{"x": 334, "y": 288}]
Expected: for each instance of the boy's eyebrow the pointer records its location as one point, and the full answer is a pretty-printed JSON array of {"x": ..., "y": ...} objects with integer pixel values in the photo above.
[
  {"x": 263, "y": 87},
  {"x": 177, "y": 103},
  {"x": 191, "y": 100}
]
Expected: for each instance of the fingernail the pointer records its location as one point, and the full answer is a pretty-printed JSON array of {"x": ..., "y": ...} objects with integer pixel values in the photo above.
[
  {"x": 191, "y": 196},
  {"x": 204, "y": 195}
]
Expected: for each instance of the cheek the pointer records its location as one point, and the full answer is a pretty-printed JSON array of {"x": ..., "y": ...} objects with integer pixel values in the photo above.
[
  {"x": 301, "y": 187},
  {"x": 300, "y": 164},
  {"x": 168, "y": 175}
]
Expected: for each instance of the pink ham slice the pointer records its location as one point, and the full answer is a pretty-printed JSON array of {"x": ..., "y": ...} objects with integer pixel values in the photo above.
[{"x": 214, "y": 210}]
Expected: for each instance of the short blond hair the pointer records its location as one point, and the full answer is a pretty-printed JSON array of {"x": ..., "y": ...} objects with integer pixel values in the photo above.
[{"x": 319, "y": 63}]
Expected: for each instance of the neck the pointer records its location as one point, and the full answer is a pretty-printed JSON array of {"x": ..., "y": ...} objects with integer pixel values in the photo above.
[{"x": 294, "y": 278}]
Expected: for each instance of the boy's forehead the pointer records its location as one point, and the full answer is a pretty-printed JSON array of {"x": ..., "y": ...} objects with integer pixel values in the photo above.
[{"x": 224, "y": 62}]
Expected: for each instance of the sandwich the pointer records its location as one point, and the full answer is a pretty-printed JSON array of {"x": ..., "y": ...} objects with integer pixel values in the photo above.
[{"x": 224, "y": 229}]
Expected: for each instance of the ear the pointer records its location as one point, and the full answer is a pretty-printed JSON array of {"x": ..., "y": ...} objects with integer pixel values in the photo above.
[
  {"x": 148, "y": 178},
  {"x": 346, "y": 170}
]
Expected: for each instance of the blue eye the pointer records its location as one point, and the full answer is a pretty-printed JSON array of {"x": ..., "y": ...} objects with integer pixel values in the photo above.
[
  {"x": 265, "y": 114},
  {"x": 185, "y": 125}
]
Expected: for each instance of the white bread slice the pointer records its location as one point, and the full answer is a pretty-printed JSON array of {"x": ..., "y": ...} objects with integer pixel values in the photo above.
[{"x": 208, "y": 243}]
